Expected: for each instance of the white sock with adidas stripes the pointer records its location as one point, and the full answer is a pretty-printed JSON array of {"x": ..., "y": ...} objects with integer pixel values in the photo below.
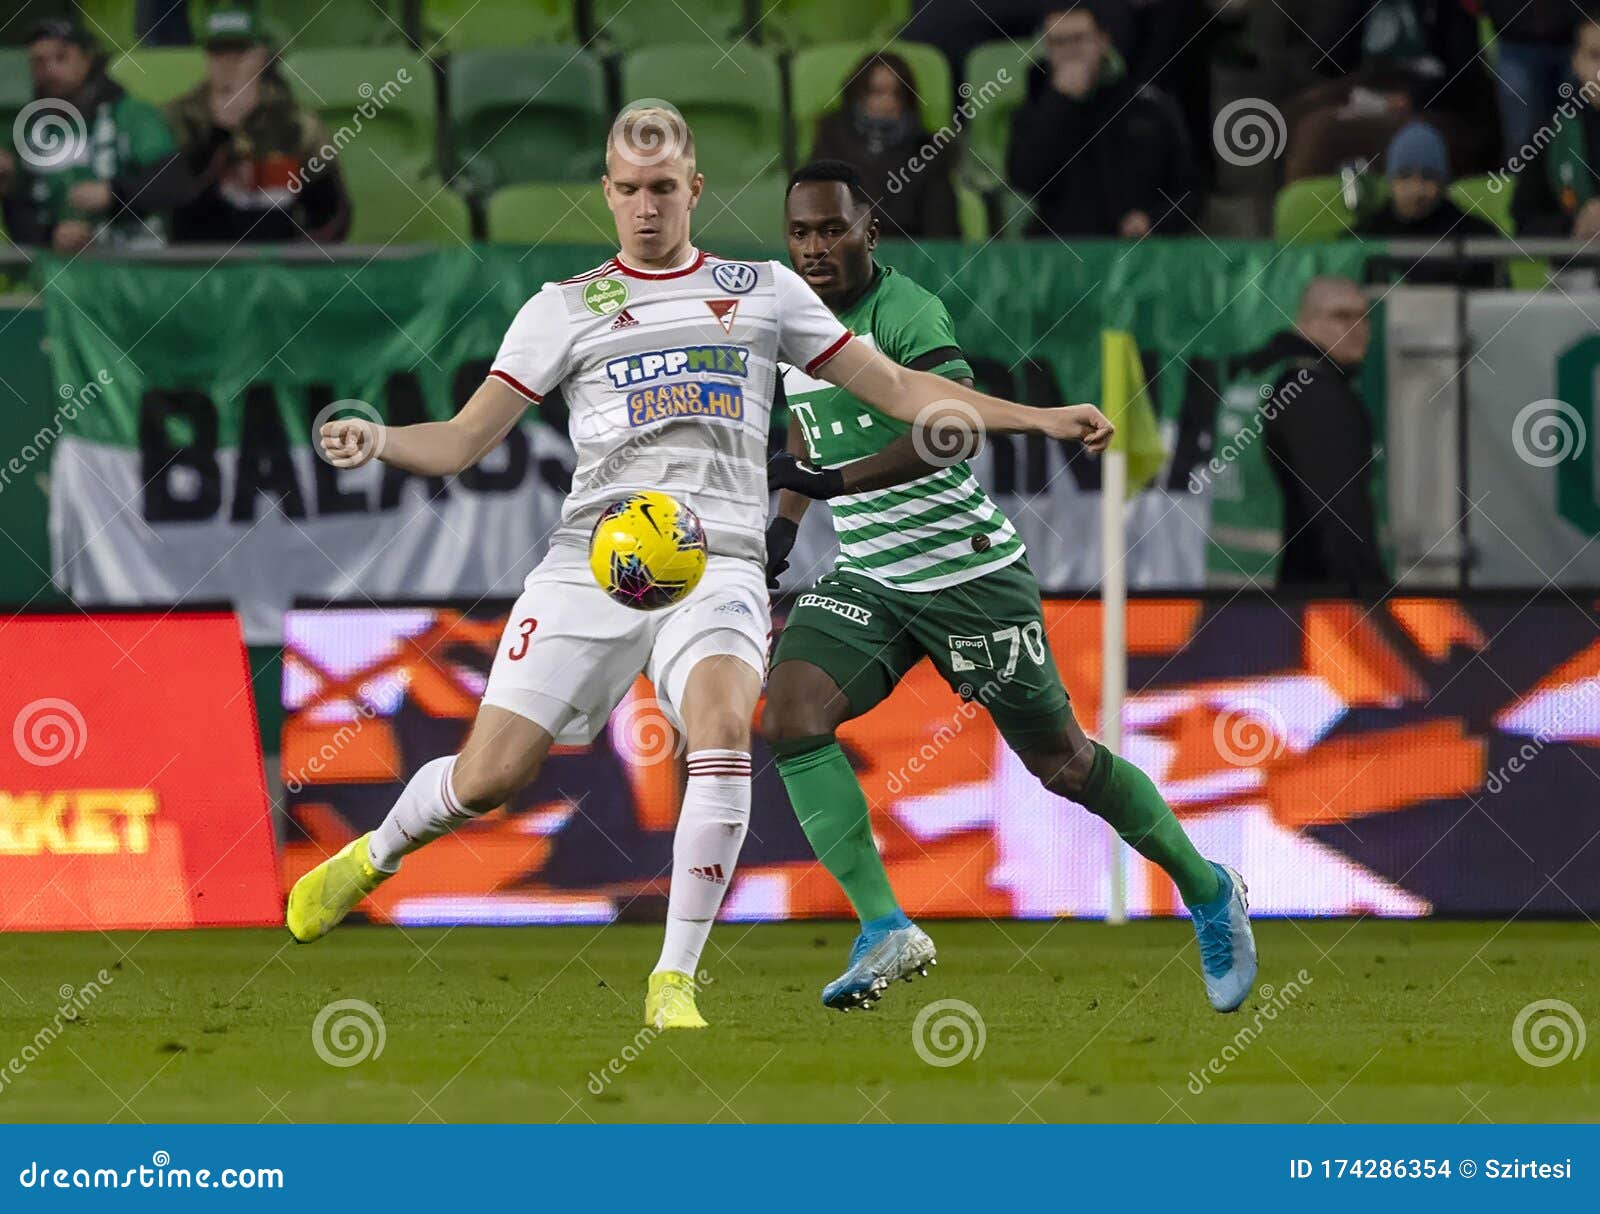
[
  {"x": 711, "y": 828},
  {"x": 426, "y": 809}
]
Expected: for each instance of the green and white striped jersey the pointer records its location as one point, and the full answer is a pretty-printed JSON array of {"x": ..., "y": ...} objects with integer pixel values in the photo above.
[{"x": 937, "y": 531}]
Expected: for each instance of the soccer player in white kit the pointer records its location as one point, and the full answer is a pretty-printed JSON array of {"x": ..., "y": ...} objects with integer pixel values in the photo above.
[{"x": 666, "y": 357}]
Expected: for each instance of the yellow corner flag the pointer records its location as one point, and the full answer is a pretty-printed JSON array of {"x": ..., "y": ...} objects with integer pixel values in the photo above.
[{"x": 1125, "y": 399}]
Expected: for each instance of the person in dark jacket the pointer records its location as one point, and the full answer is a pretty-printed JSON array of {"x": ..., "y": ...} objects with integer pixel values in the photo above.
[
  {"x": 1558, "y": 183},
  {"x": 878, "y": 129},
  {"x": 90, "y": 165},
  {"x": 249, "y": 147},
  {"x": 1533, "y": 42},
  {"x": 1097, "y": 153},
  {"x": 1319, "y": 443},
  {"x": 1418, "y": 167}
]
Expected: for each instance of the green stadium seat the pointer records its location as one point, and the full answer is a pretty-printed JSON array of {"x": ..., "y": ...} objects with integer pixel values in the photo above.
[
  {"x": 16, "y": 90},
  {"x": 386, "y": 116},
  {"x": 731, "y": 97},
  {"x": 1311, "y": 210},
  {"x": 994, "y": 99},
  {"x": 971, "y": 213},
  {"x": 160, "y": 74},
  {"x": 797, "y": 23},
  {"x": 468, "y": 25},
  {"x": 1474, "y": 196},
  {"x": 818, "y": 74},
  {"x": 626, "y": 24},
  {"x": 388, "y": 209},
  {"x": 736, "y": 220},
  {"x": 533, "y": 113},
  {"x": 547, "y": 213},
  {"x": 301, "y": 25},
  {"x": 109, "y": 22}
]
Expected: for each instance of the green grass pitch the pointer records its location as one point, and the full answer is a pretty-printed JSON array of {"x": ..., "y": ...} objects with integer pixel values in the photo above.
[{"x": 1081, "y": 1022}]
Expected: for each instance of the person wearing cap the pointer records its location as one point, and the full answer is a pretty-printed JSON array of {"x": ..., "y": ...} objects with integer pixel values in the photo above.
[
  {"x": 88, "y": 164},
  {"x": 248, "y": 146}
]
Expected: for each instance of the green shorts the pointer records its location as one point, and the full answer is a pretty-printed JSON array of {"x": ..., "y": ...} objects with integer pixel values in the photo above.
[{"x": 986, "y": 637}]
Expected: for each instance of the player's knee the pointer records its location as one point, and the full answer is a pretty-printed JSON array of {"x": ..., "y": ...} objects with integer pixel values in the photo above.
[
  {"x": 1062, "y": 766},
  {"x": 719, "y": 728},
  {"x": 789, "y": 719}
]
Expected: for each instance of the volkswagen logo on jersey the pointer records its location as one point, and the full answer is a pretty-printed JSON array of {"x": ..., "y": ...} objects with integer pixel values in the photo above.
[{"x": 734, "y": 276}]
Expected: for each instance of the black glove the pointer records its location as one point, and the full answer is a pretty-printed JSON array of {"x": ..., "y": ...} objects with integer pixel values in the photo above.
[
  {"x": 781, "y": 533},
  {"x": 786, "y": 471}
]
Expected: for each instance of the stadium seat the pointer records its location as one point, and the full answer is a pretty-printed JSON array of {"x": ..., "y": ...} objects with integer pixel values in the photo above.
[
  {"x": 731, "y": 97},
  {"x": 403, "y": 211},
  {"x": 536, "y": 113},
  {"x": 797, "y": 23},
  {"x": 625, "y": 24},
  {"x": 1474, "y": 196},
  {"x": 16, "y": 90},
  {"x": 971, "y": 213},
  {"x": 361, "y": 91},
  {"x": 159, "y": 75},
  {"x": 467, "y": 25},
  {"x": 1311, "y": 210},
  {"x": 994, "y": 99},
  {"x": 541, "y": 213},
  {"x": 818, "y": 74},
  {"x": 736, "y": 220},
  {"x": 301, "y": 25},
  {"x": 109, "y": 22}
]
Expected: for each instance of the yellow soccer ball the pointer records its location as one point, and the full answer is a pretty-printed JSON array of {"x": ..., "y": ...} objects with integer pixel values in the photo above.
[{"x": 648, "y": 550}]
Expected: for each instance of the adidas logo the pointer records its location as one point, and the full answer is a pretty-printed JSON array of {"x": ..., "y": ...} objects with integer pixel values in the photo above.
[
  {"x": 624, "y": 320},
  {"x": 710, "y": 872}
]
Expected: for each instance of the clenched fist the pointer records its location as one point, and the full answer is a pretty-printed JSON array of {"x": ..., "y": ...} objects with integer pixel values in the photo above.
[
  {"x": 1082, "y": 422},
  {"x": 349, "y": 442}
]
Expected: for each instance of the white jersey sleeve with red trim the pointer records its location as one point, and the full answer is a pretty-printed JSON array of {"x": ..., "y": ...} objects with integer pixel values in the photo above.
[
  {"x": 808, "y": 334},
  {"x": 536, "y": 352}
]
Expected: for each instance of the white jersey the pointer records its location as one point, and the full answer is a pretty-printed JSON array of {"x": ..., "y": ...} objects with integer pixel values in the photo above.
[{"x": 668, "y": 377}]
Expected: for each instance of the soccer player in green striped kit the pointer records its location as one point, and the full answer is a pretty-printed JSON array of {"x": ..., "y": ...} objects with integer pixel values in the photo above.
[{"x": 927, "y": 566}]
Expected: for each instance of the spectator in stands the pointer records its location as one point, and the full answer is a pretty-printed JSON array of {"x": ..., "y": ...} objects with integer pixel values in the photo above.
[
  {"x": 1418, "y": 168},
  {"x": 1098, "y": 153},
  {"x": 1319, "y": 442},
  {"x": 1533, "y": 45},
  {"x": 92, "y": 165},
  {"x": 250, "y": 147},
  {"x": 1558, "y": 187},
  {"x": 878, "y": 129}
]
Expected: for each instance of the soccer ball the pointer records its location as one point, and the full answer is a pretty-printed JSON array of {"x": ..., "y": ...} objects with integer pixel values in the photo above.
[{"x": 648, "y": 550}]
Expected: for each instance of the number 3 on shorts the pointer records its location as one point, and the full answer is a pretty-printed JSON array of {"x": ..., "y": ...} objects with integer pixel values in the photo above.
[{"x": 520, "y": 650}]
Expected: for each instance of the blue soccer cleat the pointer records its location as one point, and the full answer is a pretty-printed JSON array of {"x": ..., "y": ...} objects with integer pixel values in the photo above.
[
  {"x": 877, "y": 958},
  {"x": 1227, "y": 946}
]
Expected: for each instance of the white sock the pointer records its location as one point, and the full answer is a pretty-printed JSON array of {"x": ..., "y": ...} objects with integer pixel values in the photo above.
[
  {"x": 705, "y": 848},
  {"x": 426, "y": 809}
]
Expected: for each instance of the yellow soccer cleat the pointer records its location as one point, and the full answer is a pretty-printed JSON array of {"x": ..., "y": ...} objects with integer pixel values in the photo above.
[
  {"x": 669, "y": 1002},
  {"x": 322, "y": 898}
]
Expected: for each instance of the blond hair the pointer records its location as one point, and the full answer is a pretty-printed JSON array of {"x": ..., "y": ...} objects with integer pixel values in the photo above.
[{"x": 649, "y": 133}]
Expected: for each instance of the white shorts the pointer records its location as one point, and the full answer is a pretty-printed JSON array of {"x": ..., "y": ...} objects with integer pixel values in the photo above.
[{"x": 569, "y": 652}]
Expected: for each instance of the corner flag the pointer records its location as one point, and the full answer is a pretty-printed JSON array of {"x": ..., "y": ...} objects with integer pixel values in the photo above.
[{"x": 1125, "y": 399}]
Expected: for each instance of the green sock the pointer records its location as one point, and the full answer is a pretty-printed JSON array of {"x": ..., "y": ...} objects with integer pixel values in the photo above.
[
  {"x": 1125, "y": 797},
  {"x": 832, "y": 809}
]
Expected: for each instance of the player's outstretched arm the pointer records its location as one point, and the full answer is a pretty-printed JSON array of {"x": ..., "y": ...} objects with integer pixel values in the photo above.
[
  {"x": 925, "y": 399},
  {"x": 429, "y": 448}
]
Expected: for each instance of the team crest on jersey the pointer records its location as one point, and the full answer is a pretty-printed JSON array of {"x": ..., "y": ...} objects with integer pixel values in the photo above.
[
  {"x": 970, "y": 653},
  {"x": 682, "y": 360},
  {"x": 604, "y": 296},
  {"x": 719, "y": 402},
  {"x": 734, "y": 277},
  {"x": 724, "y": 310}
]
